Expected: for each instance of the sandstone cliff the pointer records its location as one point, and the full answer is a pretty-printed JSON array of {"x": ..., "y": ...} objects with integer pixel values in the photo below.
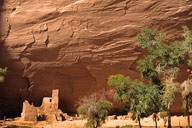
[{"x": 74, "y": 45}]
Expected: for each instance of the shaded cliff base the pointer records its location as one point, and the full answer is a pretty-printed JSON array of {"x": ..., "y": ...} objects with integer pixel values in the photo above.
[{"x": 177, "y": 121}]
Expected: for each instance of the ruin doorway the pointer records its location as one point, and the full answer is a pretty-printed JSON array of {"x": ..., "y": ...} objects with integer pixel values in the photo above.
[{"x": 41, "y": 118}]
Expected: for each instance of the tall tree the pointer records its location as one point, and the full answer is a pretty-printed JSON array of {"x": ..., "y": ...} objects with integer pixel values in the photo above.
[
  {"x": 141, "y": 100},
  {"x": 186, "y": 91},
  {"x": 162, "y": 58},
  {"x": 163, "y": 61},
  {"x": 149, "y": 39},
  {"x": 168, "y": 98},
  {"x": 159, "y": 67},
  {"x": 154, "y": 101}
]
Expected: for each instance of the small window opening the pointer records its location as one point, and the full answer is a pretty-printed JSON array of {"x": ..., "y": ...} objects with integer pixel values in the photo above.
[{"x": 41, "y": 118}]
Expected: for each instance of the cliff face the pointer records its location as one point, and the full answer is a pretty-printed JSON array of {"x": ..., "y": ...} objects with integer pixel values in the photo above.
[{"x": 75, "y": 45}]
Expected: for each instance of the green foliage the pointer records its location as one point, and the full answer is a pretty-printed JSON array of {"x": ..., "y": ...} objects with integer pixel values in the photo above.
[
  {"x": 163, "y": 58},
  {"x": 94, "y": 110},
  {"x": 163, "y": 61},
  {"x": 139, "y": 105},
  {"x": 154, "y": 99},
  {"x": 160, "y": 66},
  {"x": 163, "y": 114},
  {"x": 187, "y": 44},
  {"x": 2, "y": 73},
  {"x": 122, "y": 85},
  {"x": 148, "y": 38},
  {"x": 143, "y": 100},
  {"x": 147, "y": 68}
]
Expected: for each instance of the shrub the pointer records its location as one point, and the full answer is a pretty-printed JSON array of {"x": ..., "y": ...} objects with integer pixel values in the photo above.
[{"x": 94, "y": 109}]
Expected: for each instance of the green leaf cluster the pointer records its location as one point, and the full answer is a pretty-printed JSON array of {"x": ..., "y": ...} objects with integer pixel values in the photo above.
[
  {"x": 163, "y": 59},
  {"x": 122, "y": 85},
  {"x": 142, "y": 100},
  {"x": 2, "y": 73},
  {"x": 160, "y": 65}
]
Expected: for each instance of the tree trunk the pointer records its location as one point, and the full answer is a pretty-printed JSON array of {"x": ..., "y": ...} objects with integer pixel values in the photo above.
[
  {"x": 188, "y": 118},
  {"x": 155, "y": 118},
  {"x": 165, "y": 121},
  {"x": 169, "y": 115},
  {"x": 96, "y": 124},
  {"x": 187, "y": 112},
  {"x": 139, "y": 123}
]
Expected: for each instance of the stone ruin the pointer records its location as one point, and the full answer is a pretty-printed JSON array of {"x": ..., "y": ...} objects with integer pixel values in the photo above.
[{"x": 48, "y": 111}]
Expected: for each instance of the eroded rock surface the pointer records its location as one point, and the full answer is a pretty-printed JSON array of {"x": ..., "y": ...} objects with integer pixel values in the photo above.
[{"x": 74, "y": 45}]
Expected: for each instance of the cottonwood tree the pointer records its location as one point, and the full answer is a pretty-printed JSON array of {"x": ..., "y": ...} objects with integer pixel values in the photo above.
[
  {"x": 149, "y": 100},
  {"x": 186, "y": 86},
  {"x": 169, "y": 90},
  {"x": 161, "y": 58},
  {"x": 163, "y": 61},
  {"x": 94, "y": 109},
  {"x": 140, "y": 99},
  {"x": 186, "y": 91},
  {"x": 154, "y": 101}
]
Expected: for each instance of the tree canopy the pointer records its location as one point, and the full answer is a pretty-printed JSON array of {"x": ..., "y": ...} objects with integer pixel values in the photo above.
[{"x": 143, "y": 100}]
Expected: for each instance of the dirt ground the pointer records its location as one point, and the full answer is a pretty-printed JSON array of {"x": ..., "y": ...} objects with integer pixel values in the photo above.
[{"x": 176, "y": 122}]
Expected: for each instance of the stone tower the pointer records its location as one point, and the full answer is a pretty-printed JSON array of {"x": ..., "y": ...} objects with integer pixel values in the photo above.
[{"x": 55, "y": 99}]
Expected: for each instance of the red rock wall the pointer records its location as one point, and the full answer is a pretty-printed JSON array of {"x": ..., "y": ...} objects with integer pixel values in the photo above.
[{"x": 75, "y": 45}]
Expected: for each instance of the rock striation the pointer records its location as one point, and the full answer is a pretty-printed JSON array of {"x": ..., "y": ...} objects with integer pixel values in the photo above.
[{"x": 75, "y": 45}]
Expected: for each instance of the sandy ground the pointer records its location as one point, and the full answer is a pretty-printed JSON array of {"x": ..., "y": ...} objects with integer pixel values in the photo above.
[{"x": 176, "y": 121}]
